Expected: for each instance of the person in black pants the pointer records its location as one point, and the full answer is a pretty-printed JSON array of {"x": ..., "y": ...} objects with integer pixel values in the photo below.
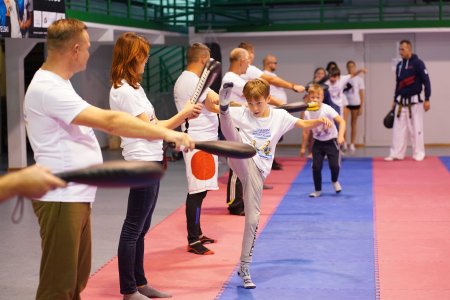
[{"x": 326, "y": 140}]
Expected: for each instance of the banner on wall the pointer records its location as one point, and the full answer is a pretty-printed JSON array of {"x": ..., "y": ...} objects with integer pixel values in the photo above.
[{"x": 29, "y": 18}]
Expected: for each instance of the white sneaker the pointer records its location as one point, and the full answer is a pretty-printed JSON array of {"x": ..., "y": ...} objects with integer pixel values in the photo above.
[
  {"x": 315, "y": 194},
  {"x": 418, "y": 158},
  {"x": 391, "y": 158},
  {"x": 352, "y": 148},
  {"x": 337, "y": 187},
  {"x": 244, "y": 273}
]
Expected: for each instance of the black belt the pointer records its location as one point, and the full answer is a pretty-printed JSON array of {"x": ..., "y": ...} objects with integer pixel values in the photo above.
[{"x": 406, "y": 101}]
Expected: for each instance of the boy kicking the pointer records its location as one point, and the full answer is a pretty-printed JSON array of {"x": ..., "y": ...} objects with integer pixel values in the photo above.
[
  {"x": 260, "y": 126},
  {"x": 326, "y": 140}
]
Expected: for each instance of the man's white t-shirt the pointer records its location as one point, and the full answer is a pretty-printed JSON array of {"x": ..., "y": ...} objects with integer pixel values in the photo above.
[
  {"x": 205, "y": 126},
  {"x": 237, "y": 92},
  {"x": 276, "y": 91},
  {"x": 252, "y": 73},
  {"x": 262, "y": 133},
  {"x": 320, "y": 132},
  {"x": 352, "y": 94},
  {"x": 135, "y": 102},
  {"x": 50, "y": 106},
  {"x": 337, "y": 90}
]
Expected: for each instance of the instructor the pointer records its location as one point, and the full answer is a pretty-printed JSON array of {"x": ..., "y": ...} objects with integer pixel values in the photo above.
[{"x": 411, "y": 75}]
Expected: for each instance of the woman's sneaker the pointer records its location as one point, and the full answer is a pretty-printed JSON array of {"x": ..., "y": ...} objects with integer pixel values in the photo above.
[
  {"x": 337, "y": 187},
  {"x": 244, "y": 273},
  {"x": 315, "y": 194}
]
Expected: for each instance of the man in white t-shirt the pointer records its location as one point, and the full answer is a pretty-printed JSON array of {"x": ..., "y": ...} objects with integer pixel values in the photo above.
[
  {"x": 59, "y": 125},
  {"x": 253, "y": 72},
  {"x": 239, "y": 62},
  {"x": 270, "y": 64},
  {"x": 201, "y": 167}
]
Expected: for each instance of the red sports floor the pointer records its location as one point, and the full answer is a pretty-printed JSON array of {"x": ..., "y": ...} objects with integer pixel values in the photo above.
[
  {"x": 187, "y": 276},
  {"x": 412, "y": 222},
  {"x": 412, "y": 206}
]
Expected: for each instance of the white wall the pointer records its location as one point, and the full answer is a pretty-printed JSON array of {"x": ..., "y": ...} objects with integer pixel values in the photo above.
[
  {"x": 93, "y": 85},
  {"x": 298, "y": 56}
]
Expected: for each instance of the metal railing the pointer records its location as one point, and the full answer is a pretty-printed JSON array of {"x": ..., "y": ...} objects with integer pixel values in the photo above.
[
  {"x": 164, "y": 67},
  {"x": 320, "y": 14},
  {"x": 261, "y": 15}
]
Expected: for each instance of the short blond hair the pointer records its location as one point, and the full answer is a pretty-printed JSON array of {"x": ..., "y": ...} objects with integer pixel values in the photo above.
[
  {"x": 256, "y": 88},
  {"x": 315, "y": 89},
  {"x": 60, "y": 32},
  {"x": 197, "y": 51},
  {"x": 237, "y": 54}
]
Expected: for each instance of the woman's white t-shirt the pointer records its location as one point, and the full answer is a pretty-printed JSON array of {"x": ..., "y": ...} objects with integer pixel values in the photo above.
[
  {"x": 337, "y": 90},
  {"x": 320, "y": 132},
  {"x": 352, "y": 94},
  {"x": 135, "y": 102},
  {"x": 51, "y": 104},
  {"x": 262, "y": 133},
  {"x": 205, "y": 126}
]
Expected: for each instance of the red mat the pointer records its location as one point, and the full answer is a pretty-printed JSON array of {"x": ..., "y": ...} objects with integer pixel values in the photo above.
[
  {"x": 188, "y": 276},
  {"x": 412, "y": 207}
]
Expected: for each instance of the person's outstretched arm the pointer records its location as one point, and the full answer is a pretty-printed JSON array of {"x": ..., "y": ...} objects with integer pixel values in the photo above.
[
  {"x": 278, "y": 81},
  {"x": 31, "y": 182},
  {"x": 307, "y": 124},
  {"x": 123, "y": 124}
]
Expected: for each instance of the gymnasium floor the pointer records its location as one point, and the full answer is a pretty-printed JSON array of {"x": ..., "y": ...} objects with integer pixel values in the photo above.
[{"x": 385, "y": 236}]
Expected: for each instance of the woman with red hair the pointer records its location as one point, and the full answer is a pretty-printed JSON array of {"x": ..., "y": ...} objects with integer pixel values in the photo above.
[{"x": 131, "y": 53}]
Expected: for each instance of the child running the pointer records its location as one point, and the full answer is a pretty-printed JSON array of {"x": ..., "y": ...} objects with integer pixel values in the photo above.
[
  {"x": 326, "y": 140},
  {"x": 260, "y": 126}
]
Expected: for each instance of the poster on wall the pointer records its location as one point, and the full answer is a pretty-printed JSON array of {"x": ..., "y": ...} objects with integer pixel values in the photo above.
[{"x": 29, "y": 18}]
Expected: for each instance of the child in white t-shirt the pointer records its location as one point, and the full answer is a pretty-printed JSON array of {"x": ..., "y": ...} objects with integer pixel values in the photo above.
[
  {"x": 337, "y": 83},
  {"x": 326, "y": 140},
  {"x": 260, "y": 126},
  {"x": 354, "y": 91}
]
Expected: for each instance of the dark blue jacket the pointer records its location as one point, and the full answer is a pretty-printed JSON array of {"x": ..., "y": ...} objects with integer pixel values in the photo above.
[{"x": 411, "y": 75}]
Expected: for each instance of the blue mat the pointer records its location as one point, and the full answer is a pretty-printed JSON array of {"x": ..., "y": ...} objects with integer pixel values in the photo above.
[
  {"x": 318, "y": 249},
  {"x": 446, "y": 161}
]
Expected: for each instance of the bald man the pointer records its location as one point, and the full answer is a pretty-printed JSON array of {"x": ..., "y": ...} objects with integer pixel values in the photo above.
[
  {"x": 270, "y": 64},
  {"x": 239, "y": 62},
  {"x": 253, "y": 72}
]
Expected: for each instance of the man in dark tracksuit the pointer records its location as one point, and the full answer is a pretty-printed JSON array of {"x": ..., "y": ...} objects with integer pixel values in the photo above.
[{"x": 411, "y": 75}]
